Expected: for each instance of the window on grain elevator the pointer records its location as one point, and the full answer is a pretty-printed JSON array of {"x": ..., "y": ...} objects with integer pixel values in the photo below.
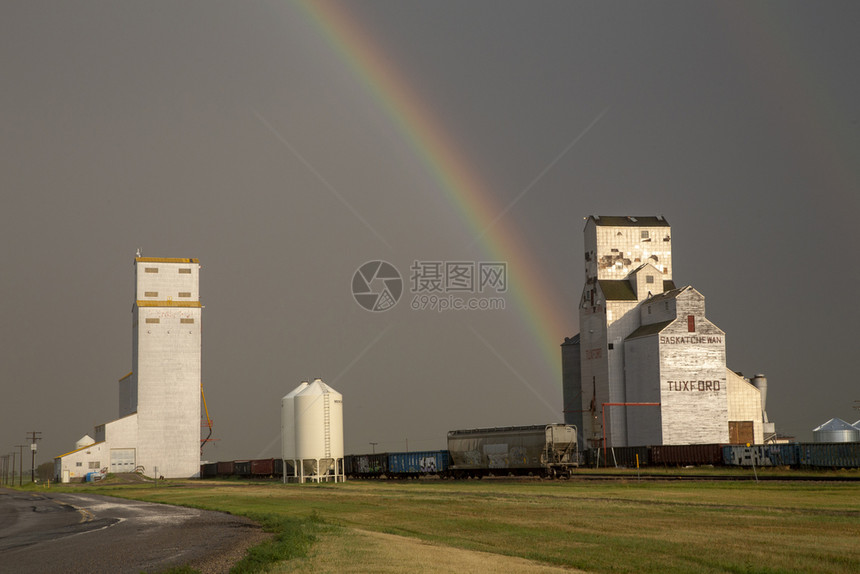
[{"x": 691, "y": 323}]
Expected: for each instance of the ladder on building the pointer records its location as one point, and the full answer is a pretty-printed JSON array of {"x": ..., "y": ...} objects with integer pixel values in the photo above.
[{"x": 327, "y": 423}]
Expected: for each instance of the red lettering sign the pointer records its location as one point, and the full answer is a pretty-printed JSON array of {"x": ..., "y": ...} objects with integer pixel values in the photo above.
[{"x": 593, "y": 353}]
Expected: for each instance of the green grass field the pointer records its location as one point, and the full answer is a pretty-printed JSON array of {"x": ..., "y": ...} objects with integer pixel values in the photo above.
[{"x": 620, "y": 525}]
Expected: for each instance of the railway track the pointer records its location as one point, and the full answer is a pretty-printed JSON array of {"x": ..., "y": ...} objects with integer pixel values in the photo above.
[{"x": 715, "y": 477}]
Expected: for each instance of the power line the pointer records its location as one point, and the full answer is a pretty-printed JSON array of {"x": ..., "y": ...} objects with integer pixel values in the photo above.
[
  {"x": 34, "y": 436},
  {"x": 20, "y": 448}
]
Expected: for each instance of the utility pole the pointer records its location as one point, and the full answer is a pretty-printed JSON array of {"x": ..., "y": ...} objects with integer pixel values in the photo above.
[
  {"x": 4, "y": 469},
  {"x": 34, "y": 436},
  {"x": 20, "y": 448},
  {"x": 373, "y": 446}
]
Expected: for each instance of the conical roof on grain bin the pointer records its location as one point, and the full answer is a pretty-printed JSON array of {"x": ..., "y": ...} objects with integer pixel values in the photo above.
[{"x": 836, "y": 430}]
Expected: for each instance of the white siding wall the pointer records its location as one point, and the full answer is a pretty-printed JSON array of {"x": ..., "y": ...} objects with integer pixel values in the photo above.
[
  {"x": 168, "y": 370},
  {"x": 78, "y": 462},
  {"x": 642, "y": 361},
  {"x": 616, "y": 251},
  {"x": 625, "y": 320},
  {"x": 167, "y": 283},
  {"x": 693, "y": 388},
  {"x": 639, "y": 281},
  {"x": 122, "y": 433},
  {"x": 658, "y": 310},
  {"x": 595, "y": 372},
  {"x": 127, "y": 395},
  {"x": 169, "y": 391},
  {"x": 744, "y": 402}
]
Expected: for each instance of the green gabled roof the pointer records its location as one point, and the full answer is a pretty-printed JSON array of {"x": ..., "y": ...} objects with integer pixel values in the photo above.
[
  {"x": 651, "y": 329},
  {"x": 617, "y": 289},
  {"x": 668, "y": 285},
  {"x": 668, "y": 294}
]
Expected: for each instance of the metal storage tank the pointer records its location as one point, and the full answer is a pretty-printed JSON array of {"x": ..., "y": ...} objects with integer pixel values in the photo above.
[
  {"x": 319, "y": 433},
  {"x": 760, "y": 382},
  {"x": 288, "y": 431},
  {"x": 836, "y": 430}
]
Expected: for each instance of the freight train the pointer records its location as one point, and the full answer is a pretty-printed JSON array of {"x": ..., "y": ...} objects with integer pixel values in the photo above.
[{"x": 550, "y": 451}]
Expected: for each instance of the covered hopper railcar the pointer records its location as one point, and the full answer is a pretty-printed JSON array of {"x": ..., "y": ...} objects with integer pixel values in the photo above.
[{"x": 545, "y": 450}]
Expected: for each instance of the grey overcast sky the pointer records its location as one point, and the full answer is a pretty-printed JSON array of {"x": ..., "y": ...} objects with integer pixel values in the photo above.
[{"x": 285, "y": 144}]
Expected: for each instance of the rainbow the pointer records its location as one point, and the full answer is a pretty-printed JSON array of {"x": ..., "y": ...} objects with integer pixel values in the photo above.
[{"x": 534, "y": 298}]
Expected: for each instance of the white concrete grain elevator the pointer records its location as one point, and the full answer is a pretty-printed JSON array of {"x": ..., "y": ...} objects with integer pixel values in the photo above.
[{"x": 158, "y": 429}]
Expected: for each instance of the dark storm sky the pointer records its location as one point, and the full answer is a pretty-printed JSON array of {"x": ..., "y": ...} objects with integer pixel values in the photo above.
[{"x": 242, "y": 134}]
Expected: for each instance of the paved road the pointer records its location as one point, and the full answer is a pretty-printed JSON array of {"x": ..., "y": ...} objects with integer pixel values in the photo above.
[{"x": 71, "y": 533}]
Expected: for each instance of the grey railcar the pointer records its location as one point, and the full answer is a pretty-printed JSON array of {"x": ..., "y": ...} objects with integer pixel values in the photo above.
[{"x": 546, "y": 450}]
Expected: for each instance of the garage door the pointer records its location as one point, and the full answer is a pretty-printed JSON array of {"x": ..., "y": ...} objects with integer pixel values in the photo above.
[{"x": 122, "y": 460}]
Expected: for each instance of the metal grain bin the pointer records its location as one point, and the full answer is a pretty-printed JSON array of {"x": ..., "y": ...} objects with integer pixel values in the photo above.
[
  {"x": 687, "y": 454},
  {"x": 226, "y": 468},
  {"x": 417, "y": 463},
  {"x": 836, "y": 430},
  {"x": 288, "y": 423},
  {"x": 263, "y": 467},
  {"x": 830, "y": 455},
  {"x": 319, "y": 432}
]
